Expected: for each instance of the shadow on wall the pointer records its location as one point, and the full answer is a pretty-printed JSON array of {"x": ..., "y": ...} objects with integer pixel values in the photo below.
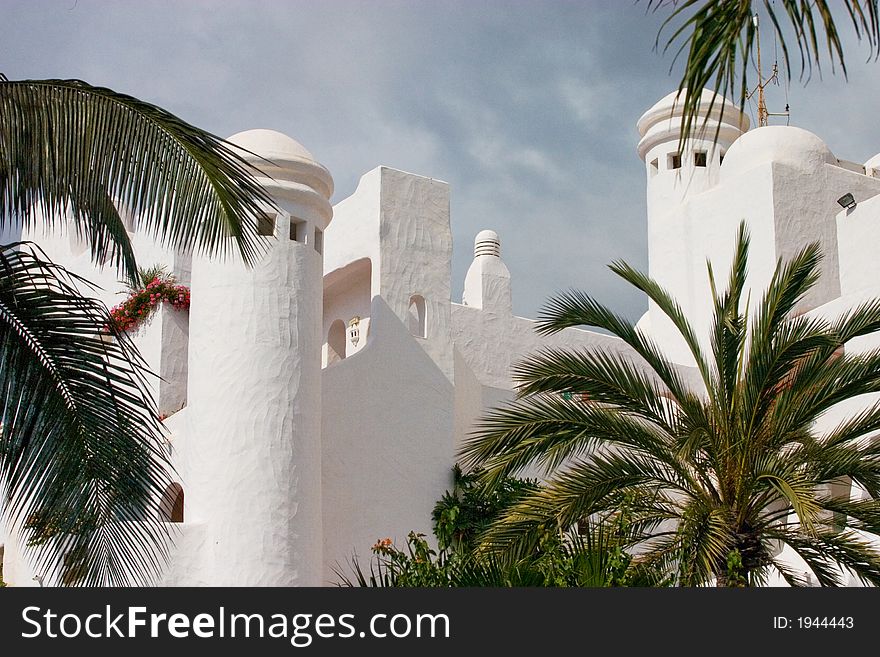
[{"x": 387, "y": 440}]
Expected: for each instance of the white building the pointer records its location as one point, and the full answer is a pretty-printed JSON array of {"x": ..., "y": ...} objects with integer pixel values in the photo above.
[{"x": 315, "y": 402}]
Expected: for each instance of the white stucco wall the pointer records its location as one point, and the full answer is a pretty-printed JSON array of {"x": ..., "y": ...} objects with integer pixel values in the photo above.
[
  {"x": 704, "y": 228},
  {"x": 253, "y": 438},
  {"x": 491, "y": 343},
  {"x": 354, "y": 233},
  {"x": 416, "y": 256},
  {"x": 858, "y": 234},
  {"x": 387, "y": 442},
  {"x": 784, "y": 183},
  {"x": 487, "y": 283}
]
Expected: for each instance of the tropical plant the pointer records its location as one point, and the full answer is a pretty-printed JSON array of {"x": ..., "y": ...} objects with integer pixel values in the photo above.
[
  {"x": 715, "y": 477},
  {"x": 80, "y": 455},
  {"x": 720, "y": 37},
  {"x": 593, "y": 554},
  {"x": 464, "y": 512},
  {"x": 593, "y": 557}
]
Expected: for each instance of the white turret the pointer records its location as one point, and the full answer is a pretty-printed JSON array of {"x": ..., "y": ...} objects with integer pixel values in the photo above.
[
  {"x": 487, "y": 284},
  {"x": 678, "y": 174},
  {"x": 254, "y": 427},
  {"x": 672, "y": 175}
]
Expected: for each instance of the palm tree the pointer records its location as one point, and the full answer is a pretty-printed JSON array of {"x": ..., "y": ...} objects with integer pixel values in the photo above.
[
  {"x": 715, "y": 478},
  {"x": 81, "y": 455},
  {"x": 720, "y": 38}
]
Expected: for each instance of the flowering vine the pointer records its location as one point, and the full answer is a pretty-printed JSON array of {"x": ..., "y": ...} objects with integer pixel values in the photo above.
[{"x": 141, "y": 302}]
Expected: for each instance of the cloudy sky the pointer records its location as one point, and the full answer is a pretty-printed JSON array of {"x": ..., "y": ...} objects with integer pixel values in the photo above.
[{"x": 527, "y": 109}]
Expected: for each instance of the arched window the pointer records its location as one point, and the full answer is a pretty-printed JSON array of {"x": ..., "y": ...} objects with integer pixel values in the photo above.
[
  {"x": 336, "y": 342},
  {"x": 171, "y": 506},
  {"x": 418, "y": 321}
]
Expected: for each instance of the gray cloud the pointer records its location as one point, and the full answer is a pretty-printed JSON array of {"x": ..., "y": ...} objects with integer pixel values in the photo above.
[{"x": 527, "y": 109}]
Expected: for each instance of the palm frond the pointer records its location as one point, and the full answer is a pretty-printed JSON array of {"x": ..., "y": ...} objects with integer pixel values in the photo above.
[
  {"x": 599, "y": 485},
  {"x": 81, "y": 459},
  {"x": 702, "y": 541},
  {"x": 728, "y": 333},
  {"x": 819, "y": 385},
  {"x": 603, "y": 378},
  {"x": 830, "y": 554},
  {"x": 720, "y": 39},
  {"x": 575, "y": 308},
  {"x": 670, "y": 307},
  {"x": 67, "y": 148}
]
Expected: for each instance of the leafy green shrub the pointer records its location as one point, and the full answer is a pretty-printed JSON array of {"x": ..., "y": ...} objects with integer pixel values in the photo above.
[
  {"x": 470, "y": 507},
  {"x": 592, "y": 555}
]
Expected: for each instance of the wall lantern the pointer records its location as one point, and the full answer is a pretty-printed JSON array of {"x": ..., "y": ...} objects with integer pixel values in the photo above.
[
  {"x": 354, "y": 330},
  {"x": 847, "y": 201}
]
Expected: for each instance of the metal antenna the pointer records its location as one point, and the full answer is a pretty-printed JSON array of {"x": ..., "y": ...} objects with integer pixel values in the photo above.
[{"x": 763, "y": 114}]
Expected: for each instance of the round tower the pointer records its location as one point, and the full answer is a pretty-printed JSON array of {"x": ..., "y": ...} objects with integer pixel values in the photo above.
[
  {"x": 253, "y": 445},
  {"x": 676, "y": 174},
  {"x": 673, "y": 175}
]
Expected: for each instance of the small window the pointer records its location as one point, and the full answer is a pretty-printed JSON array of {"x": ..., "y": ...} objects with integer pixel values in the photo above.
[
  {"x": 266, "y": 224},
  {"x": 655, "y": 167},
  {"x": 418, "y": 323},
  {"x": 700, "y": 158},
  {"x": 297, "y": 230},
  {"x": 319, "y": 240},
  {"x": 673, "y": 161}
]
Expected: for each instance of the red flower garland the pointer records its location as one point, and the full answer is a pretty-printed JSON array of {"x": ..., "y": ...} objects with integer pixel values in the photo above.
[{"x": 140, "y": 304}]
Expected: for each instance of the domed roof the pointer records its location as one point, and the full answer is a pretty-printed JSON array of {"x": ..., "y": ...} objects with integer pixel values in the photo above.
[
  {"x": 290, "y": 171},
  {"x": 486, "y": 235},
  {"x": 776, "y": 143},
  {"x": 271, "y": 144},
  {"x": 672, "y": 105},
  {"x": 719, "y": 120},
  {"x": 873, "y": 163},
  {"x": 487, "y": 242}
]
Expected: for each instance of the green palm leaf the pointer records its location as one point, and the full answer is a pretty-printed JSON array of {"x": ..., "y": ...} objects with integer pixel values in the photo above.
[
  {"x": 720, "y": 39},
  {"x": 70, "y": 149},
  {"x": 81, "y": 459}
]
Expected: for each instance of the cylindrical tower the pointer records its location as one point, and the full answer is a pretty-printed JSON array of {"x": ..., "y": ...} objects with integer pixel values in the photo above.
[
  {"x": 676, "y": 174},
  {"x": 253, "y": 443},
  {"x": 673, "y": 175}
]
